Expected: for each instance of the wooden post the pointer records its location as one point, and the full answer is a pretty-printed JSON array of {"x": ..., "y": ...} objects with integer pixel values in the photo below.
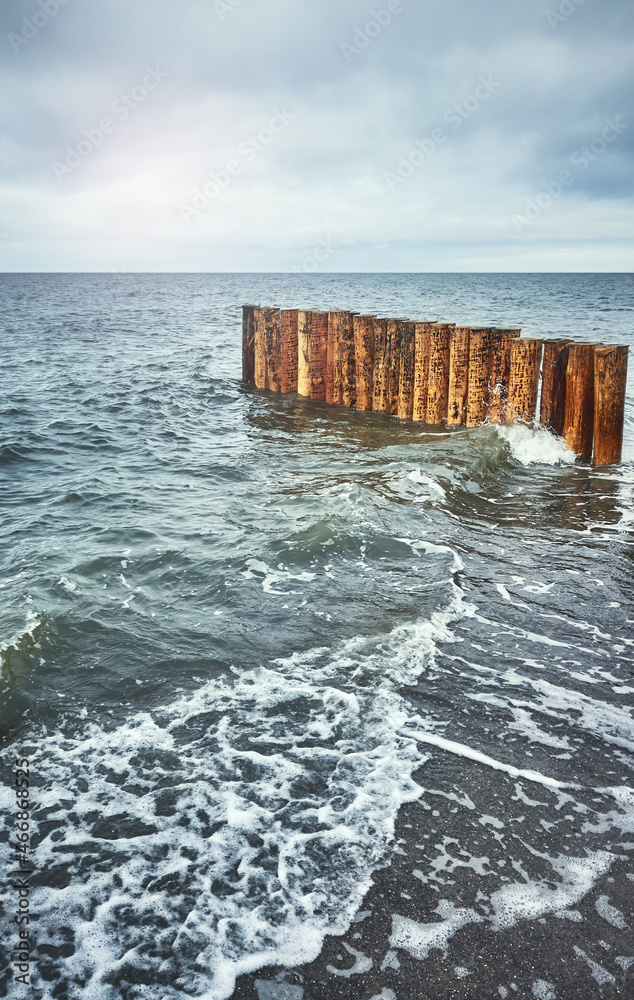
[
  {"x": 259, "y": 348},
  {"x": 499, "y": 374},
  {"x": 318, "y": 354},
  {"x": 289, "y": 349},
  {"x": 610, "y": 379},
  {"x": 405, "y": 407},
  {"x": 579, "y": 412},
  {"x": 479, "y": 365},
  {"x": 421, "y": 370},
  {"x": 248, "y": 344},
  {"x": 393, "y": 363},
  {"x": 553, "y": 405},
  {"x": 304, "y": 326},
  {"x": 330, "y": 358},
  {"x": 458, "y": 376},
  {"x": 379, "y": 392},
  {"x": 438, "y": 394},
  {"x": 363, "y": 331},
  {"x": 526, "y": 358},
  {"x": 348, "y": 360},
  {"x": 273, "y": 348}
]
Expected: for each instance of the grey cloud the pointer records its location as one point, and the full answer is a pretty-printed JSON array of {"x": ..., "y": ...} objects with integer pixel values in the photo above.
[{"x": 356, "y": 116}]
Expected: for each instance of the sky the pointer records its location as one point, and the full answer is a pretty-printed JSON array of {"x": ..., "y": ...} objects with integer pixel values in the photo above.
[{"x": 323, "y": 135}]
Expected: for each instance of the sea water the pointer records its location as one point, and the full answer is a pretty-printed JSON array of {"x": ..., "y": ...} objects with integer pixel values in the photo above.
[{"x": 241, "y": 632}]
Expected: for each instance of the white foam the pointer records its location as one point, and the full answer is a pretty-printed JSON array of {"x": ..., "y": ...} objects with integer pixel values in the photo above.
[
  {"x": 361, "y": 965},
  {"x": 610, "y": 913},
  {"x": 517, "y": 901},
  {"x": 529, "y": 901},
  {"x": 462, "y": 750},
  {"x": 268, "y": 990},
  {"x": 601, "y": 975},
  {"x": 535, "y": 445},
  {"x": 420, "y": 939},
  {"x": 250, "y": 841},
  {"x": 544, "y": 990}
]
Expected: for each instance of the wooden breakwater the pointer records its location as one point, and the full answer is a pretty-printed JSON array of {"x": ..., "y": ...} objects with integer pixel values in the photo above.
[{"x": 440, "y": 373}]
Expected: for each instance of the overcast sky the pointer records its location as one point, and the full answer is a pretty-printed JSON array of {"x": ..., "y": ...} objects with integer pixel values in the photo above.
[{"x": 337, "y": 135}]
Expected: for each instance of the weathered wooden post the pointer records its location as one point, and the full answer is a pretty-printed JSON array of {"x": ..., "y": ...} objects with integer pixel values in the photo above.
[
  {"x": 259, "y": 348},
  {"x": 479, "y": 365},
  {"x": 248, "y": 343},
  {"x": 421, "y": 369},
  {"x": 405, "y": 407},
  {"x": 438, "y": 395},
  {"x": 526, "y": 358},
  {"x": 553, "y": 404},
  {"x": 363, "y": 331},
  {"x": 318, "y": 354},
  {"x": 348, "y": 360},
  {"x": 380, "y": 388},
  {"x": 393, "y": 362},
  {"x": 458, "y": 376},
  {"x": 304, "y": 326},
  {"x": 610, "y": 381},
  {"x": 273, "y": 348},
  {"x": 289, "y": 318},
  {"x": 499, "y": 374},
  {"x": 330, "y": 358},
  {"x": 579, "y": 412}
]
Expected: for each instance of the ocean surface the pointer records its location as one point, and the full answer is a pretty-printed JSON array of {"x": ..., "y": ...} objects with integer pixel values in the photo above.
[{"x": 267, "y": 656}]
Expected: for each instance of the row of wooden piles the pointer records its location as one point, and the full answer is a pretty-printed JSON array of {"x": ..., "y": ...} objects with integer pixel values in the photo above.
[{"x": 440, "y": 373}]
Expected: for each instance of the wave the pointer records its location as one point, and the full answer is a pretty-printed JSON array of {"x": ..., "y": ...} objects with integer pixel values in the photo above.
[{"x": 234, "y": 828}]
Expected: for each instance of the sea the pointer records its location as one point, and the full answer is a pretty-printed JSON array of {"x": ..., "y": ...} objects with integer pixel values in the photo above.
[{"x": 314, "y": 703}]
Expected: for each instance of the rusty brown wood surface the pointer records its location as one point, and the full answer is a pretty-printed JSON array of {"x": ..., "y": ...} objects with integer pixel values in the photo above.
[
  {"x": 393, "y": 363},
  {"x": 526, "y": 359},
  {"x": 330, "y": 358},
  {"x": 405, "y": 407},
  {"x": 248, "y": 343},
  {"x": 421, "y": 369},
  {"x": 318, "y": 354},
  {"x": 363, "y": 330},
  {"x": 610, "y": 383},
  {"x": 579, "y": 413},
  {"x": 273, "y": 348},
  {"x": 304, "y": 326},
  {"x": 348, "y": 360},
  {"x": 458, "y": 376},
  {"x": 289, "y": 319},
  {"x": 479, "y": 366},
  {"x": 553, "y": 402},
  {"x": 379, "y": 395},
  {"x": 259, "y": 348},
  {"x": 499, "y": 375},
  {"x": 438, "y": 393}
]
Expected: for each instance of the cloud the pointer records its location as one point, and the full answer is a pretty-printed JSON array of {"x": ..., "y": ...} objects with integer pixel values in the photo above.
[{"x": 322, "y": 177}]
